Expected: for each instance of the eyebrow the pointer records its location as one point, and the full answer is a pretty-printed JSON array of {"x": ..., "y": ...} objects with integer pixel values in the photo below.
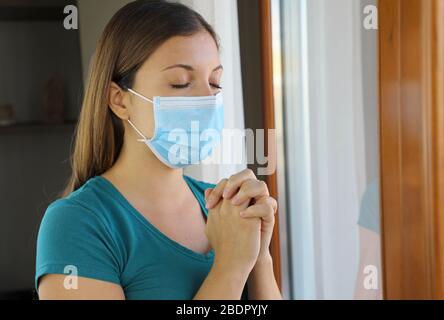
[{"x": 190, "y": 68}]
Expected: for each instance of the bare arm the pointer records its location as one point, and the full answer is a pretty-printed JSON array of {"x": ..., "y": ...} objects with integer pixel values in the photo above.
[
  {"x": 223, "y": 283},
  {"x": 52, "y": 288},
  {"x": 243, "y": 187},
  {"x": 236, "y": 243},
  {"x": 262, "y": 283}
]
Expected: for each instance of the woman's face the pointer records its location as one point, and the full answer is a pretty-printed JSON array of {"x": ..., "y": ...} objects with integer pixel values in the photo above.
[{"x": 182, "y": 66}]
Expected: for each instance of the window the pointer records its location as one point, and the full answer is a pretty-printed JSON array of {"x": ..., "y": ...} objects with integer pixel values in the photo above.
[{"x": 325, "y": 65}]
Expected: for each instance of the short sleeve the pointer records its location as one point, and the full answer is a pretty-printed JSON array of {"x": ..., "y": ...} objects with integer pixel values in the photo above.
[{"x": 73, "y": 239}]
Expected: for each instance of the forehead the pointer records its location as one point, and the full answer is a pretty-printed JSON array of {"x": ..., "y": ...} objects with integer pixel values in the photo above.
[{"x": 198, "y": 50}]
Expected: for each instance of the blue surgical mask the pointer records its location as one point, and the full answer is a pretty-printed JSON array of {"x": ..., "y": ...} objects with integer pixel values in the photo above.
[{"x": 187, "y": 129}]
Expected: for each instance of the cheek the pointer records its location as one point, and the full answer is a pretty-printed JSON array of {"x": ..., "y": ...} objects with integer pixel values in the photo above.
[
  {"x": 143, "y": 118},
  {"x": 150, "y": 124}
]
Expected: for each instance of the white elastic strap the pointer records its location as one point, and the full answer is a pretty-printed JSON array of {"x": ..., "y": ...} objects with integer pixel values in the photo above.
[
  {"x": 140, "y": 96},
  {"x": 137, "y": 130}
]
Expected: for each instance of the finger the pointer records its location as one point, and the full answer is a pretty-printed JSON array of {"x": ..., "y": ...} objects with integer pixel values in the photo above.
[
  {"x": 235, "y": 181},
  {"x": 270, "y": 200},
  {"x": 264, "y": 211},
  {"x": 207, "y": 192},
  {"x": 215, "y": 195},
  {"x": 250, "y": 189}
]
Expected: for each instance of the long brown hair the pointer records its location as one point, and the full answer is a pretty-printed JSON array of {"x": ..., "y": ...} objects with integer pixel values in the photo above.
[{"x": 130, "y": 37}]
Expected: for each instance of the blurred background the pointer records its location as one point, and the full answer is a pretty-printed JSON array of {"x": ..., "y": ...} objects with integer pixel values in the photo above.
[
  {"x": 325, "y": 78},
  {"x": 324, "y": 70}
]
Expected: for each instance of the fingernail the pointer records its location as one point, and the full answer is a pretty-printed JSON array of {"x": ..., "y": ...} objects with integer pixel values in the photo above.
[
  {"x": 242, "y": 213},
  {"x": 225, "y": 194},
  {"x": 235, "y": 200}
]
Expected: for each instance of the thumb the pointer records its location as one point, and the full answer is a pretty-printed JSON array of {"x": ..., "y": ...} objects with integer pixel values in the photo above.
[{"x": 207, "y": 193}]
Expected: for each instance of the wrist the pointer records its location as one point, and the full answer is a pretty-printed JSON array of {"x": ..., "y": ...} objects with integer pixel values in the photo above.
[
  {"x": 264, "y": 264},
  {"x": 262, "y": 282},
  {"x": 231, "y": 270},
  {"x": 223, "y": 282},
  {"x": 264, "y": 258}
]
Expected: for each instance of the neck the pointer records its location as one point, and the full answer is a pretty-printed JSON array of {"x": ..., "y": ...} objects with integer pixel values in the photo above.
[{"x": 141, "y": 172}]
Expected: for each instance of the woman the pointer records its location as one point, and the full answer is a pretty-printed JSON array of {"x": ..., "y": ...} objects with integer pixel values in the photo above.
[{"x": 130, "y": 225}]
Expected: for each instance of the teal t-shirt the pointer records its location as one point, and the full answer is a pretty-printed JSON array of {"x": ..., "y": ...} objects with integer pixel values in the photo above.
[
  {"x": 97, "y": 231},
  {"x": 369, "y": 213}
]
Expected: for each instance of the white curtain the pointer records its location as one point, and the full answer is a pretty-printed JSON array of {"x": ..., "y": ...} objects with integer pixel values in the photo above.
[
  {"x": 222, "y": 15},
  {"x": 326, "y": 142}
]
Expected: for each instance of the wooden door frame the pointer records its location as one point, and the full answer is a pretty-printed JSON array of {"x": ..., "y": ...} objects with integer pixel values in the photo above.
[
  {"x": 268, "y": 111},
  {"x": 411, "y": 48},
  {"x": 412, "y": 147}
]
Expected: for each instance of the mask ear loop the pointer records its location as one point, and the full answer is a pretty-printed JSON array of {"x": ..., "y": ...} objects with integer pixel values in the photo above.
[
  {"x": 138, "y": 131},
  {"x": 140, "y": 96},
  {"x": 129, "y": 121}
]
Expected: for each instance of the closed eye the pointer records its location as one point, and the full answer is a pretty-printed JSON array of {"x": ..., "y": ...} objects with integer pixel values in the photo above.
[
  {"x": 180, "y": 86},
  {"x": 215, "y": 86},
  {"x": 186, "y": 85}
]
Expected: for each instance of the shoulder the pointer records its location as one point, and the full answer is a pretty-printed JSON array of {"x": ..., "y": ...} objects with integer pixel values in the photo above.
[
  {"x": 66, "y": 211},
  {"x": 81, "y": 211},
  {"x": 65, "y": 220},
  {"x": 74, "y": 231},
  {"x": 80, "y": 204}
]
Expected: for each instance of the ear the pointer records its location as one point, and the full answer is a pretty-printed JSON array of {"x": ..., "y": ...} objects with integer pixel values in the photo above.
[{"x": 116, "y": 101}]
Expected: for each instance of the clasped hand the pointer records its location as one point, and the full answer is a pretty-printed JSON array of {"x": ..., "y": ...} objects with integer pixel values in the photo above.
[{"x": 241, "y": 217}]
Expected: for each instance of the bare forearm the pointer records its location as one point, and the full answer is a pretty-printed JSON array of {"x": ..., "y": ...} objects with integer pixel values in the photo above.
[
  {"x": 262, "y": 283},
  {"x": 222, "y": 283}
]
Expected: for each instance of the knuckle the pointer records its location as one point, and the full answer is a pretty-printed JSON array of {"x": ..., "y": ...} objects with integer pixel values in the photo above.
[
  {"x": 274, "y": 204},
  {"x": 247, "y": 188},
  {"x": 230, "y": 181},
  {"x": 271, "y": 201},
  {"x": 218, "y": 189},
  {"x": 240, "y": 194},
  {"x": 264, "y": 187},
  {"x": 221, "y": 184},
  {"x": 248, "y": 184}
]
